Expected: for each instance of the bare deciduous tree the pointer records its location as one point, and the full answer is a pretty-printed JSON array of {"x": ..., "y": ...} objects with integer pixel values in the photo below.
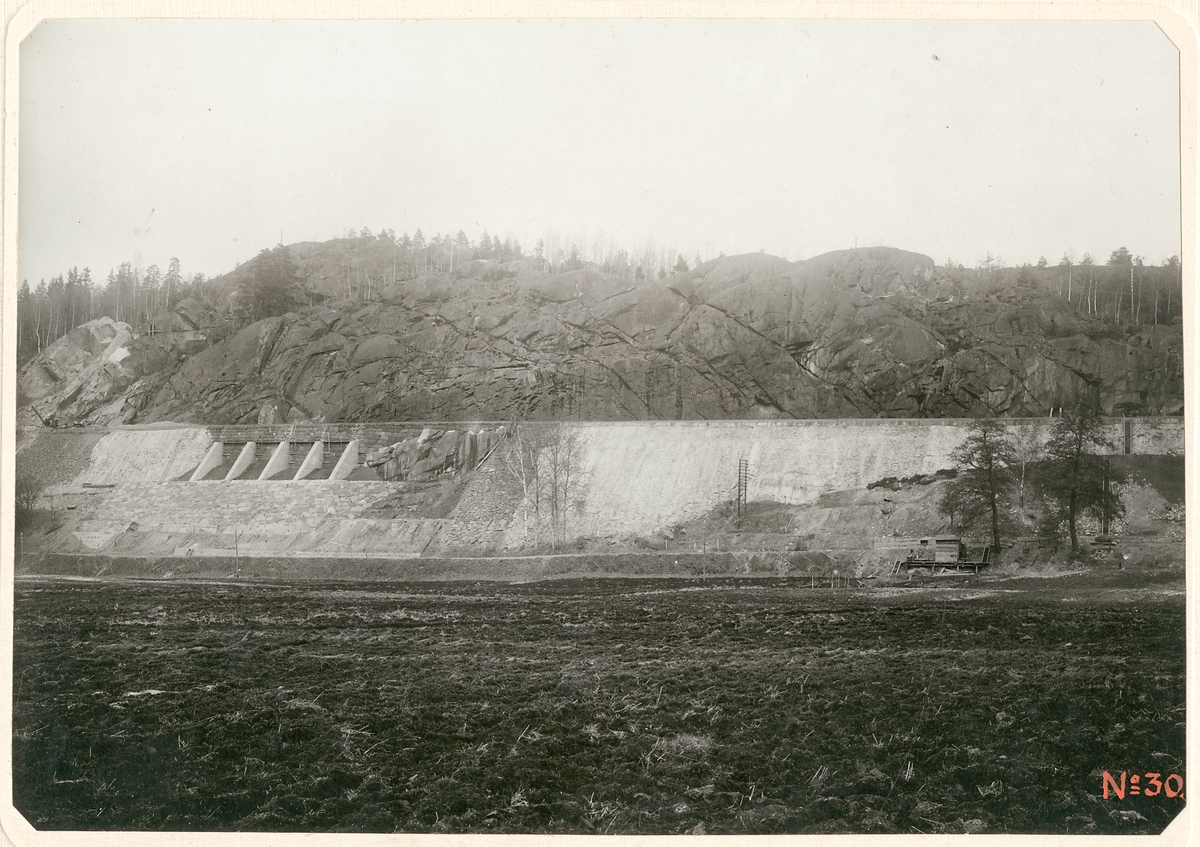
[
  {"x": 562, "y": 476},
  {"x": 547, "y": 461},
  {"x": 28, "y": 490},
  {"x": 521, "y": 455}
]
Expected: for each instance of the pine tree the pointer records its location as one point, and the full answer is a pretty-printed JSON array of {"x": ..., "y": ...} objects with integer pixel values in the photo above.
[
  {"x": 89, "y": 292},
  {"x": 39, "y": 316},
  {"x": 1074, "y": 476},
  {"x": 270, "y": 288},
  {"x": 150, "y": 294},
  {"x": 985, "y": 461},
  {"x": 173, "y": 284},
  {"x": 26, "y": 343}
]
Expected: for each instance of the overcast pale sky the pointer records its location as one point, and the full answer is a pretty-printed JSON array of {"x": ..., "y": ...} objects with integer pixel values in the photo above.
[{"x": 147, "y": 139}]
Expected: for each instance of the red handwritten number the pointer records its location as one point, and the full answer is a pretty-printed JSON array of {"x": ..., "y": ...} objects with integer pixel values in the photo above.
[
  {"x": 1153, "y": 785},
  {"x": 1107, "y": 781},
  {"x": 1172, "y": 786}
]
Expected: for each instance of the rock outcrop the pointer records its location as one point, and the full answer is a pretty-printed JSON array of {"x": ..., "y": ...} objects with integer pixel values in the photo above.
[
  {"x": 434, "y": 453},
  {"x": 87, "y": 364},
  {"x": 99, "y": 371},
  {"x": 857, "y": 333}
]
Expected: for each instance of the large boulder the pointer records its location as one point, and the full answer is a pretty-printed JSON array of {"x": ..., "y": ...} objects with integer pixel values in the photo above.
[{"x": 432, "y": 454}]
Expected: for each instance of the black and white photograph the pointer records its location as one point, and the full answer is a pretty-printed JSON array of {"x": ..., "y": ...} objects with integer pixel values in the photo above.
[{"x": 585, "y": 424}]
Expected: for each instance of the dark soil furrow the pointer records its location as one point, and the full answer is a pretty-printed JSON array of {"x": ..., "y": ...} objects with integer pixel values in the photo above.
[{"x": 620, "y": 706}]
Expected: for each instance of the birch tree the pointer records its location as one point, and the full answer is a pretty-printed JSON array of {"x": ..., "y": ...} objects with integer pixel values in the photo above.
[{"x": 547, "y": 462}]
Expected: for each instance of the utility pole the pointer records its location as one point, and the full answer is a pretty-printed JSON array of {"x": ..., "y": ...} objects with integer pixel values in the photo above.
[
  {"x": 743, "y": 484},
  {"x": 1104, "y": 527},
  {"x": 678, "y": 393}
]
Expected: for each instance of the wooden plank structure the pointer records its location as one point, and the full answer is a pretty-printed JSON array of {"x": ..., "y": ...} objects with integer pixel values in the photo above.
[{"x": 948, "y": 553}]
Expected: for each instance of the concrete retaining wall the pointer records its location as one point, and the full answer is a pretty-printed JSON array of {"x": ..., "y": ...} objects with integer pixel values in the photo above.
[
  {"x": 131, "y": 455},
  {"x": 243, "y": 461},
  {"x": 314, "y": 460},
  {"x": 1149, "y": 436},
  {"x": 278, "y": 463},
  {"x": 371, "y": 436},
  {"x": 212, "y": 460},
  {"x": 637, "y": 478}
]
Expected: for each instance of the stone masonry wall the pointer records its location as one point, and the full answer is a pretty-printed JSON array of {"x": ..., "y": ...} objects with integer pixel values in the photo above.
[
  {"x": 371, "y": 436},
  {"x": 277, "y": 506},
  {"x": 298, "y": 518},
  {"x": 485, "y": 512}
]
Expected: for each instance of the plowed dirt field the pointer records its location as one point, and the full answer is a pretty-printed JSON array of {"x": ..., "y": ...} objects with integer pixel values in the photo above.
[{"x": 612, "y": 705}]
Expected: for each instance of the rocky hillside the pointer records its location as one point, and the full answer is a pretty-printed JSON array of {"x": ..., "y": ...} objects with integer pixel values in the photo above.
[{"x": 855, "y": 333}]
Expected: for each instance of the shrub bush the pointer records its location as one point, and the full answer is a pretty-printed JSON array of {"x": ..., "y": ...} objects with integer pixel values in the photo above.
[{"x": 28, "y": 489}]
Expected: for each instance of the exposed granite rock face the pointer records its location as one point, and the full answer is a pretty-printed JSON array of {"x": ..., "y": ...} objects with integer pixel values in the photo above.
[
  {"x": 855, "y": 333},
  {"x": 91, "y": 353},
  {"x": 102, "y": 371}
]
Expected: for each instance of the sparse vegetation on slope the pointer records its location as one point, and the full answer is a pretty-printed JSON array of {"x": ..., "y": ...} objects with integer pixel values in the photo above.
[{"x": 860, "y": 333}]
